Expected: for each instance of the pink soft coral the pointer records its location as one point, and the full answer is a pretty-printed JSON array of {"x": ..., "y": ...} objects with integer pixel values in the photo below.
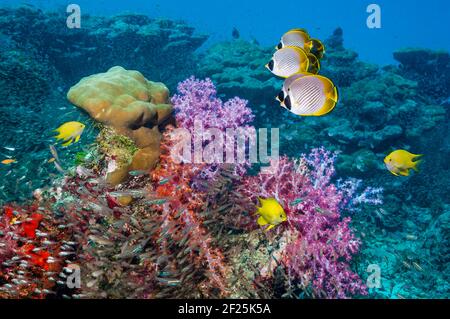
[
  {"x": 318, "y": 243},
  {"x": 197, "y": 100},
  {"x": 197, "y": 106}
]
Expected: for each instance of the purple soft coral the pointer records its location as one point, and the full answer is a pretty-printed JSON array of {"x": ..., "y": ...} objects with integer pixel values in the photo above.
[
  {"x": 318, "y": 243},
  {"x": 197, "y": 100},
  {"x": 198, "y": 109}
]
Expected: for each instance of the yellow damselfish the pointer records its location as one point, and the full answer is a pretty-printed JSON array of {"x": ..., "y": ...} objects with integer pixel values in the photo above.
[
  {"x": 271, "y": 212},
  {"x": 69, "y": 132},
  {"x": 399, "y": 162}
]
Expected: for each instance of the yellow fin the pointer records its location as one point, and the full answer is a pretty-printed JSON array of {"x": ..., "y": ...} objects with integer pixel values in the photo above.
[
  {"x": 261, "y": 221},
  {"x": 317, "y": 48},
  {"x": 77, "y": 138},
  {"x": 62, "y": 135},
  {"x": 314, "y": 64},
  {"x": 393, "y": 173},
  {"x": 270, "y": 227},
  {"x": 327, "y": 108},
  {"x": 404, "y": 172},
  {"x": 415, "y": 164},
  {"x": 68, "y": 142}
]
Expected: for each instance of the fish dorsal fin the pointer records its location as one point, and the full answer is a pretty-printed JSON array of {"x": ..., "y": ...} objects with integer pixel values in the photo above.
[{"x": 261, "y": 201}]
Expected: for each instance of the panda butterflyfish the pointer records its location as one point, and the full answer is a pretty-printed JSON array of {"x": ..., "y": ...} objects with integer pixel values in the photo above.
[
  {"x": 311, "y": 95},
  {"x": 399, "y": 162},
  {"x": 287, "y": 83},
  {"x": 69, "y": 132},
  {"x": 300, "y": 38},
  {"x": 270, "y": 213},
  {"x": 288, "y": 61}
]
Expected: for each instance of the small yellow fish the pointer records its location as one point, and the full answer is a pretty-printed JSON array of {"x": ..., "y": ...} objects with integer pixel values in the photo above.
[
  {"x": 70, "y": 132},
  {"x": 399, "y": 162},
  {"x": 8, "y": 161},
  {"x": 51, "y": 160},
  {"x": 270, "y": 213}
]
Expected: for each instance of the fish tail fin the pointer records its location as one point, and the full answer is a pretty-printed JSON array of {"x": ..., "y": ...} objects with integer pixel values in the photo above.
[
  {"x": 317, "y": 48},
  {"x": 314, "y": 64},
  {"x": 416, "y": 164},
  {"x": 332, "y": 97}
]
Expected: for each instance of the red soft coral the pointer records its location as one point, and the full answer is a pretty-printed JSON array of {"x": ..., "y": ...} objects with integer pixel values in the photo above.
[{"x": 181, "y": 222}]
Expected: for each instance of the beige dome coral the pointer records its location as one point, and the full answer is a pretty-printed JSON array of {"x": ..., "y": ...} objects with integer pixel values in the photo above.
[{"x": 132, "y": 105}]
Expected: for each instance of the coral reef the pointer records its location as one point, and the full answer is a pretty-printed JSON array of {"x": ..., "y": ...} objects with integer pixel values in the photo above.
[
  {"x": 238, "y": 69},
  {"x": 40, "y": 53},
  {"x": 430, "y": 68},
  {"x": 380, "y": 109},
  {"x": 186, "y": 229},
  {"x": 159, "y": 234},
  {"x": 160, "y": 47},
  {"x": 133, "y": 106},
  {"x": 317, "y": 244}
]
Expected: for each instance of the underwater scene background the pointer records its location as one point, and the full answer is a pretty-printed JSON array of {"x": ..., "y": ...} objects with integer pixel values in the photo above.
[{"x": 138, "y": 224}]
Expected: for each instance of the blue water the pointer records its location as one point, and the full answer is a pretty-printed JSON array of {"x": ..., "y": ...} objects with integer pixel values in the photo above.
[{"x": 405, "y": 23}]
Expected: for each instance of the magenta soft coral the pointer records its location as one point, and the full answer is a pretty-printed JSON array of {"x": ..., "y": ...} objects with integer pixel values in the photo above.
[
  {"x": 319, "y": 244},
  {"x": 196, "y": 104},
  {"x": 197, "y": 100}
]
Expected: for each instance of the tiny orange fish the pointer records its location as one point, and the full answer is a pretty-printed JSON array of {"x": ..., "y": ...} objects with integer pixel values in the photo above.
[
  {"x": 51, "y": 160},
  {"x": 8, "y": 161}
]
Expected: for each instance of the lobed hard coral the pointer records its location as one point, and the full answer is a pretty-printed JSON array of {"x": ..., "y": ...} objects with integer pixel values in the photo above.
[{"x": 132, "y": 105}]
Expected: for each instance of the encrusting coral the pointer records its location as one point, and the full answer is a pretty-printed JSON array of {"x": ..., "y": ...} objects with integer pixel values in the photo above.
[{"x": 133, "y": 106}]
